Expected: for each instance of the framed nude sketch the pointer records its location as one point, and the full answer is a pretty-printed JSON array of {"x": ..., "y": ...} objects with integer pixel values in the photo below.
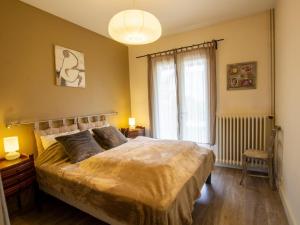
[
  {"x": 70, "y": 70},
  {"x": 241, "y": 76}
]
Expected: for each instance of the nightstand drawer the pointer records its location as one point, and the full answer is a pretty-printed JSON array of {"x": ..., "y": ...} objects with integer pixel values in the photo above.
[
  {"x": 18, "y": 175},
  {"x": 7, "y": 182},
  {"x": 16, "y": 170},
  {"x": 18, "y": 187},
  {"x": 27, "y": 182},
  {"x": 133, "y": 134}
]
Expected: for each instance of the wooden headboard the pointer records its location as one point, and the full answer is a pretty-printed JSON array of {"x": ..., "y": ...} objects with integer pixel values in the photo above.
[
  {"x": 58, "y": 122},
  {"x": 67, "y": 121},
  {"x": 45, "y": 124}
]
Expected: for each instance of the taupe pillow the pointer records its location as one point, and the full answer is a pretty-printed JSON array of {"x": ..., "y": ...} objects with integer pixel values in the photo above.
[
  {"x": 50, "y": 131},
  {"x": 109, "y": 137},
  {"x": 79, "y": 146}
]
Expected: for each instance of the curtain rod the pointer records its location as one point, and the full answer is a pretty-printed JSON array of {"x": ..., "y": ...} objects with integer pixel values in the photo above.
[{"x": 215, "y": 42}]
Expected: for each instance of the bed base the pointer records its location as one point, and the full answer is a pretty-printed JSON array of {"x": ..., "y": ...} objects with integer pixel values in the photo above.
[
  {"x": 98, "y": 214},
  {"x": 95, "y": 213}
]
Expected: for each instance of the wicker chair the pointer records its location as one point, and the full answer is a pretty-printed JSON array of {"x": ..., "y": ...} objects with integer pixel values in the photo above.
[{"x": 261, "y": 155}]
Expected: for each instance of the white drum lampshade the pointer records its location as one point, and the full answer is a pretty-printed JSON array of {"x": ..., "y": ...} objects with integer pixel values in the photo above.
[
  {"x": 131, "y": 122},
  {"x": 11, "y": 146},
  {"x": 134, "y": 27}
]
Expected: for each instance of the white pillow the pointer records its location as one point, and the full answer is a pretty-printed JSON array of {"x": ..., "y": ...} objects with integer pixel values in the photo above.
[{"x": 49, "y": 140}]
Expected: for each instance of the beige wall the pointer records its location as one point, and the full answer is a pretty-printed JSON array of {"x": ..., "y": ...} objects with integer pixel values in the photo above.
[
  {"x": 27, "y": 74},
  {"x": 246, "y": 39},
  {"x": 287, "y": 103}
]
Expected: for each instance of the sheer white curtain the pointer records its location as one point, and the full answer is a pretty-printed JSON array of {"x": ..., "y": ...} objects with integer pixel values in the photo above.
[
  {"x": 193, "y": 96},
  {"x": 163, "y": 97},
  {"x": 182, "y": 95},
  {"x": 4, "y": 219}
]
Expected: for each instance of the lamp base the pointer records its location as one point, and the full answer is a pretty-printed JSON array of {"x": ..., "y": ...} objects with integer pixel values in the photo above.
[
  {"x": 131, "y": 127},
  {"x": 12, "y": 155}
]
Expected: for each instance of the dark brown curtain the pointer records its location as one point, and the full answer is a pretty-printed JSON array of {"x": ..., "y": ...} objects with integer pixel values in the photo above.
[
  {"x": 150, "y": 95},
  {"x": 211, "y": 53}
]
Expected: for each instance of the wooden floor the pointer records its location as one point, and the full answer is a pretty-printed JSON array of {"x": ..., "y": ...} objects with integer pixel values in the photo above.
[{"x": 224, "y": 202}]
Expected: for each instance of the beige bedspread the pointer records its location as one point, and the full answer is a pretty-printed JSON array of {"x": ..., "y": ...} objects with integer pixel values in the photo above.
[{"x": 142, "y": 182}]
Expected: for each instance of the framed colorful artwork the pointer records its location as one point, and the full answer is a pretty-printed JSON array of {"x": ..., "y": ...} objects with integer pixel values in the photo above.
[{"x": 241, "y": 76}]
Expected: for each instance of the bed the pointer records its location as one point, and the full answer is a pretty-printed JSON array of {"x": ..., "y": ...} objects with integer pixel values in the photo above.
[{"x": 142, "y": 182}]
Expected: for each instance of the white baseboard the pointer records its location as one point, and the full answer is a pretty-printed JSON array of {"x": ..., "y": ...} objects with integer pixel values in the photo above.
[{"x": 290, "y": 216}]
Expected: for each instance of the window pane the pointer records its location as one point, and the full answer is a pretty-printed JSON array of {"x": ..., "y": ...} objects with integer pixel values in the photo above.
[
  {"x": 193, "y": 98},
  {"x": 165, "y": 113}
]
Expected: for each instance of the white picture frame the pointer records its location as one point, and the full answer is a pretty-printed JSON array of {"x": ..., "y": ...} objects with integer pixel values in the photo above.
[{"x": 70, "y": 69}]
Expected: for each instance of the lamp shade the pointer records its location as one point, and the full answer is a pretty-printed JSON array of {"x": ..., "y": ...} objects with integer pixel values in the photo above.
[
  {"x": 11, "y": 144},
  {"x": 134, "y": 27},
  {"x": 131, "y": 122}
]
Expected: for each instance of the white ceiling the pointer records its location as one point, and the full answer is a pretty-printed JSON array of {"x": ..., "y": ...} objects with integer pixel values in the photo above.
[{"x": 175, "y": 15}]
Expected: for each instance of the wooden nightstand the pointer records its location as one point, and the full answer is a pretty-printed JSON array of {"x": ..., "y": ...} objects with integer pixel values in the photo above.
[
  {"x": 133, "y": 133},
  {"x": 17, "y": 175}
]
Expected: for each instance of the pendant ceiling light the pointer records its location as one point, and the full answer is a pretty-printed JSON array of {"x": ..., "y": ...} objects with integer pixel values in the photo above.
[{"x": 134, "y": 27}]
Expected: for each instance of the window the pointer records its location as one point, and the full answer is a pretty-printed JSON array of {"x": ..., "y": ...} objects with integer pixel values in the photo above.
[
  {"x": 183, "y": 96},
  {"x": 165, "y": 110},
  {"x": 193, "y": 98}
]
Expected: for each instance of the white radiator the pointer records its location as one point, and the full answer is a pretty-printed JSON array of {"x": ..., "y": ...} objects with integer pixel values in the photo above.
[{"x": 237, "y": 133}]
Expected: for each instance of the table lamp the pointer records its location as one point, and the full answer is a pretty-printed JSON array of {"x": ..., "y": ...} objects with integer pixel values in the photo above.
[
  {"x": 131, "y": 122},
  {"x": 11, "y": 147}
]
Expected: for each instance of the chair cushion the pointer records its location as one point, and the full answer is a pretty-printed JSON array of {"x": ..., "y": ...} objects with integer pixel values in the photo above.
[{"x": 258, "y": 154}]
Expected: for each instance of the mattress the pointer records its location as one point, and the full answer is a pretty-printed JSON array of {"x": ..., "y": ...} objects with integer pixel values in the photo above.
[{"x": 142, "y": 182}]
